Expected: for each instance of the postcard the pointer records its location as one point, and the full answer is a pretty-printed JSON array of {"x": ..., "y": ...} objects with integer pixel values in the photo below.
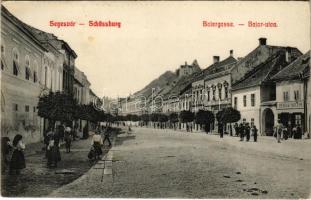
[{"x": 156, "y": 99}]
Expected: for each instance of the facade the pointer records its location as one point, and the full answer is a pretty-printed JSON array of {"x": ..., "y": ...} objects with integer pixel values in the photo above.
[
  {"x": 291, "y": 93},
  {"x": 34, "y": 63},
  {"x": 254, "y": 95},
  {"x": 22, "y": 61}
]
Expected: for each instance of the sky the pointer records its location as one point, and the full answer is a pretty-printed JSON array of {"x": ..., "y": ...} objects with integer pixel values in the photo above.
[{"x": 155, "y": 37}]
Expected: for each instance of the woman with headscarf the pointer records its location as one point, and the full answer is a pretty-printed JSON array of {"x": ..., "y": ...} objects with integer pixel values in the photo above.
[{"x": 18, "y": 159}]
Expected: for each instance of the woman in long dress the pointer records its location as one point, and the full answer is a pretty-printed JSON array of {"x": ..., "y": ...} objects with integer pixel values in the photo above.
[
  {"x": 53, "y": 154},
  {"x": 18, "y": 159}
]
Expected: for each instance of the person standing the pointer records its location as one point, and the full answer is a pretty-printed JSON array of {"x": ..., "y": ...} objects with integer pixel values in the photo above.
[
  {"x": 5, "y": 152},
  {"x": 241, "y": 132},
  {"x": 53, "y": 154},
  {"x": 107, "y": 135},
  {"x": 68, "y": 138},
  {"x": 278, "y": 131},
  {"x": 254, "y": 132},
  {"x": 97, "y": 143},
  {"x": 18, "y": 159},
  {"x": 247, "y": 132}
]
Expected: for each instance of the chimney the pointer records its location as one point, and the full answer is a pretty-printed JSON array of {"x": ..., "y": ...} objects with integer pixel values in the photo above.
[
  {"x": 231, "y": 52},
  {"x": 288, "y": 54},
  {"x": 262, "y": 41},
  {"x": 216, "y": 59}
]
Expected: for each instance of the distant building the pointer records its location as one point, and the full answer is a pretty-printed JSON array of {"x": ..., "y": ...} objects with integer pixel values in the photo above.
[
  {"x": 185, "y": 70},
  {"x": 211, "y": 90}
]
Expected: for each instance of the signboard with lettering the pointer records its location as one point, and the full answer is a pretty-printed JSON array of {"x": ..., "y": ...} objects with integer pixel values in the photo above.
[{"x": 290, "y": 105}]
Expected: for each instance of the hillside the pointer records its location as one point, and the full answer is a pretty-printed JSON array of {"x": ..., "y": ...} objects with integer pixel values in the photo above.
[{"x": 158, "y": 84}]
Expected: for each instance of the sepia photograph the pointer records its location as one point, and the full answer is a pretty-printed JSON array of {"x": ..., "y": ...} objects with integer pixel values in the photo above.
[{"x": 156, "y": 99}]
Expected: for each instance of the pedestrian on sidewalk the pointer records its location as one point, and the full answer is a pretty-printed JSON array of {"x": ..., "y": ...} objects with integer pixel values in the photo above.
[
  {"x": 236, "y": 129},
  {"x": 247, "y": 131},
  {"x": 53, "y": 153},
  {"x": 278, "y": 131},
  {"x": 107, "y": 135},
  {"x": 97, "y": 143},
  {"x": 18, "y": 159},
  {"x": 68, "y": 138},
  {"x": 241, "y": 132},
  {"x": 6, "y": 148},
  {"x": 254, "y": 132}
]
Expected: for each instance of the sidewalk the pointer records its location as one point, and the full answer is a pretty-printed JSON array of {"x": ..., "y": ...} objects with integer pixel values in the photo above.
[
  {"x": 300, "y": 149},
  {"x": 39, "y": 180}
]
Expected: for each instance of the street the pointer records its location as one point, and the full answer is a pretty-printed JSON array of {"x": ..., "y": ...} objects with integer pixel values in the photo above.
[{"x": 172, "y": 164}]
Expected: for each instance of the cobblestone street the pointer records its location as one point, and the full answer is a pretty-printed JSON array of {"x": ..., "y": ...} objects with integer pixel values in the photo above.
[
  {"x": 39, "y": 180},
  {"x": 165, "y": 163}
]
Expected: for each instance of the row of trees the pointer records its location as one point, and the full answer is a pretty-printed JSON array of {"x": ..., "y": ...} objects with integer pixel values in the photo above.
[
  {"x": 59, "y": 106},
  {"x": 202, "y": 117}
]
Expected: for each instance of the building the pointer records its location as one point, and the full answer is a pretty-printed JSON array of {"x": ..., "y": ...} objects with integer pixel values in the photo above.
[
  {"x": 254, "y": 94},
  {"x": 185, "y": 70},
  {"x": 211, "y": 90},
  {"x": 291, "y": 93},
  {"x": 22, "y": 60}
]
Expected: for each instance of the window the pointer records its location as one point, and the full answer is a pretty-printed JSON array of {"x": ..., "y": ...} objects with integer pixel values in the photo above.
[
  {"x": 253, "y": 100},
  {"x": 219, "y": 90},
  {"x": 208, "y": 95},
  {"x": 15, "y": 107},
  {"x": 35, "y": 79},
  {"x": 252, "y": 121},
  {"x": 244, "y": 101},
  {"x": 2, "y": 56},
  {"x": 27, "y": 68},
  {"x": 285, "y": 96},
  {"x": 226, "y": 84},
  {"x": 297, "y": 119},
  {"x": 226, "y": 92},
  {"x": 34, "y": 109},
  {"x": 26, "y": 108},
  {"x": 15, "y": 62},
  {"x": 27, "y": 73},
  {"x": 235, "y": 102},
  {"x": 296, "y": 95},
  {"x": 15, "y": 68}
]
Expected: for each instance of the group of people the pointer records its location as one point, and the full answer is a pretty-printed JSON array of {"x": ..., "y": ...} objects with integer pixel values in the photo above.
[
  {"x": 282, "y": 132},
  {"x": 101, "y": 135},
  {"x": 244, "y": 130},
  {"x": 52, "y": 143},
  {"x": 17, "y": 160}
]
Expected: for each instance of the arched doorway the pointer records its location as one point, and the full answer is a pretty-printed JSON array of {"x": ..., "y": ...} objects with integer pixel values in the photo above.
[{"x": 268, "y": 122}]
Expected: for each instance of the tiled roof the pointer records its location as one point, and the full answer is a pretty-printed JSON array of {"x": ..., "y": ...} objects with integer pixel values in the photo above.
[
  {"x": 216, "y": 68},
  {"x": 37, "y": 34},
  {"x": 262, "y": 72},
  {"x": 21, "y": 25},
  {"x": 301, "y": 66}
]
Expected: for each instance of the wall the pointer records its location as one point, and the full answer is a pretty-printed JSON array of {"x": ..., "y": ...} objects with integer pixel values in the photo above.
[
  {"x": 17, "y": 89},
  {"x": 249, "y": 111}
]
